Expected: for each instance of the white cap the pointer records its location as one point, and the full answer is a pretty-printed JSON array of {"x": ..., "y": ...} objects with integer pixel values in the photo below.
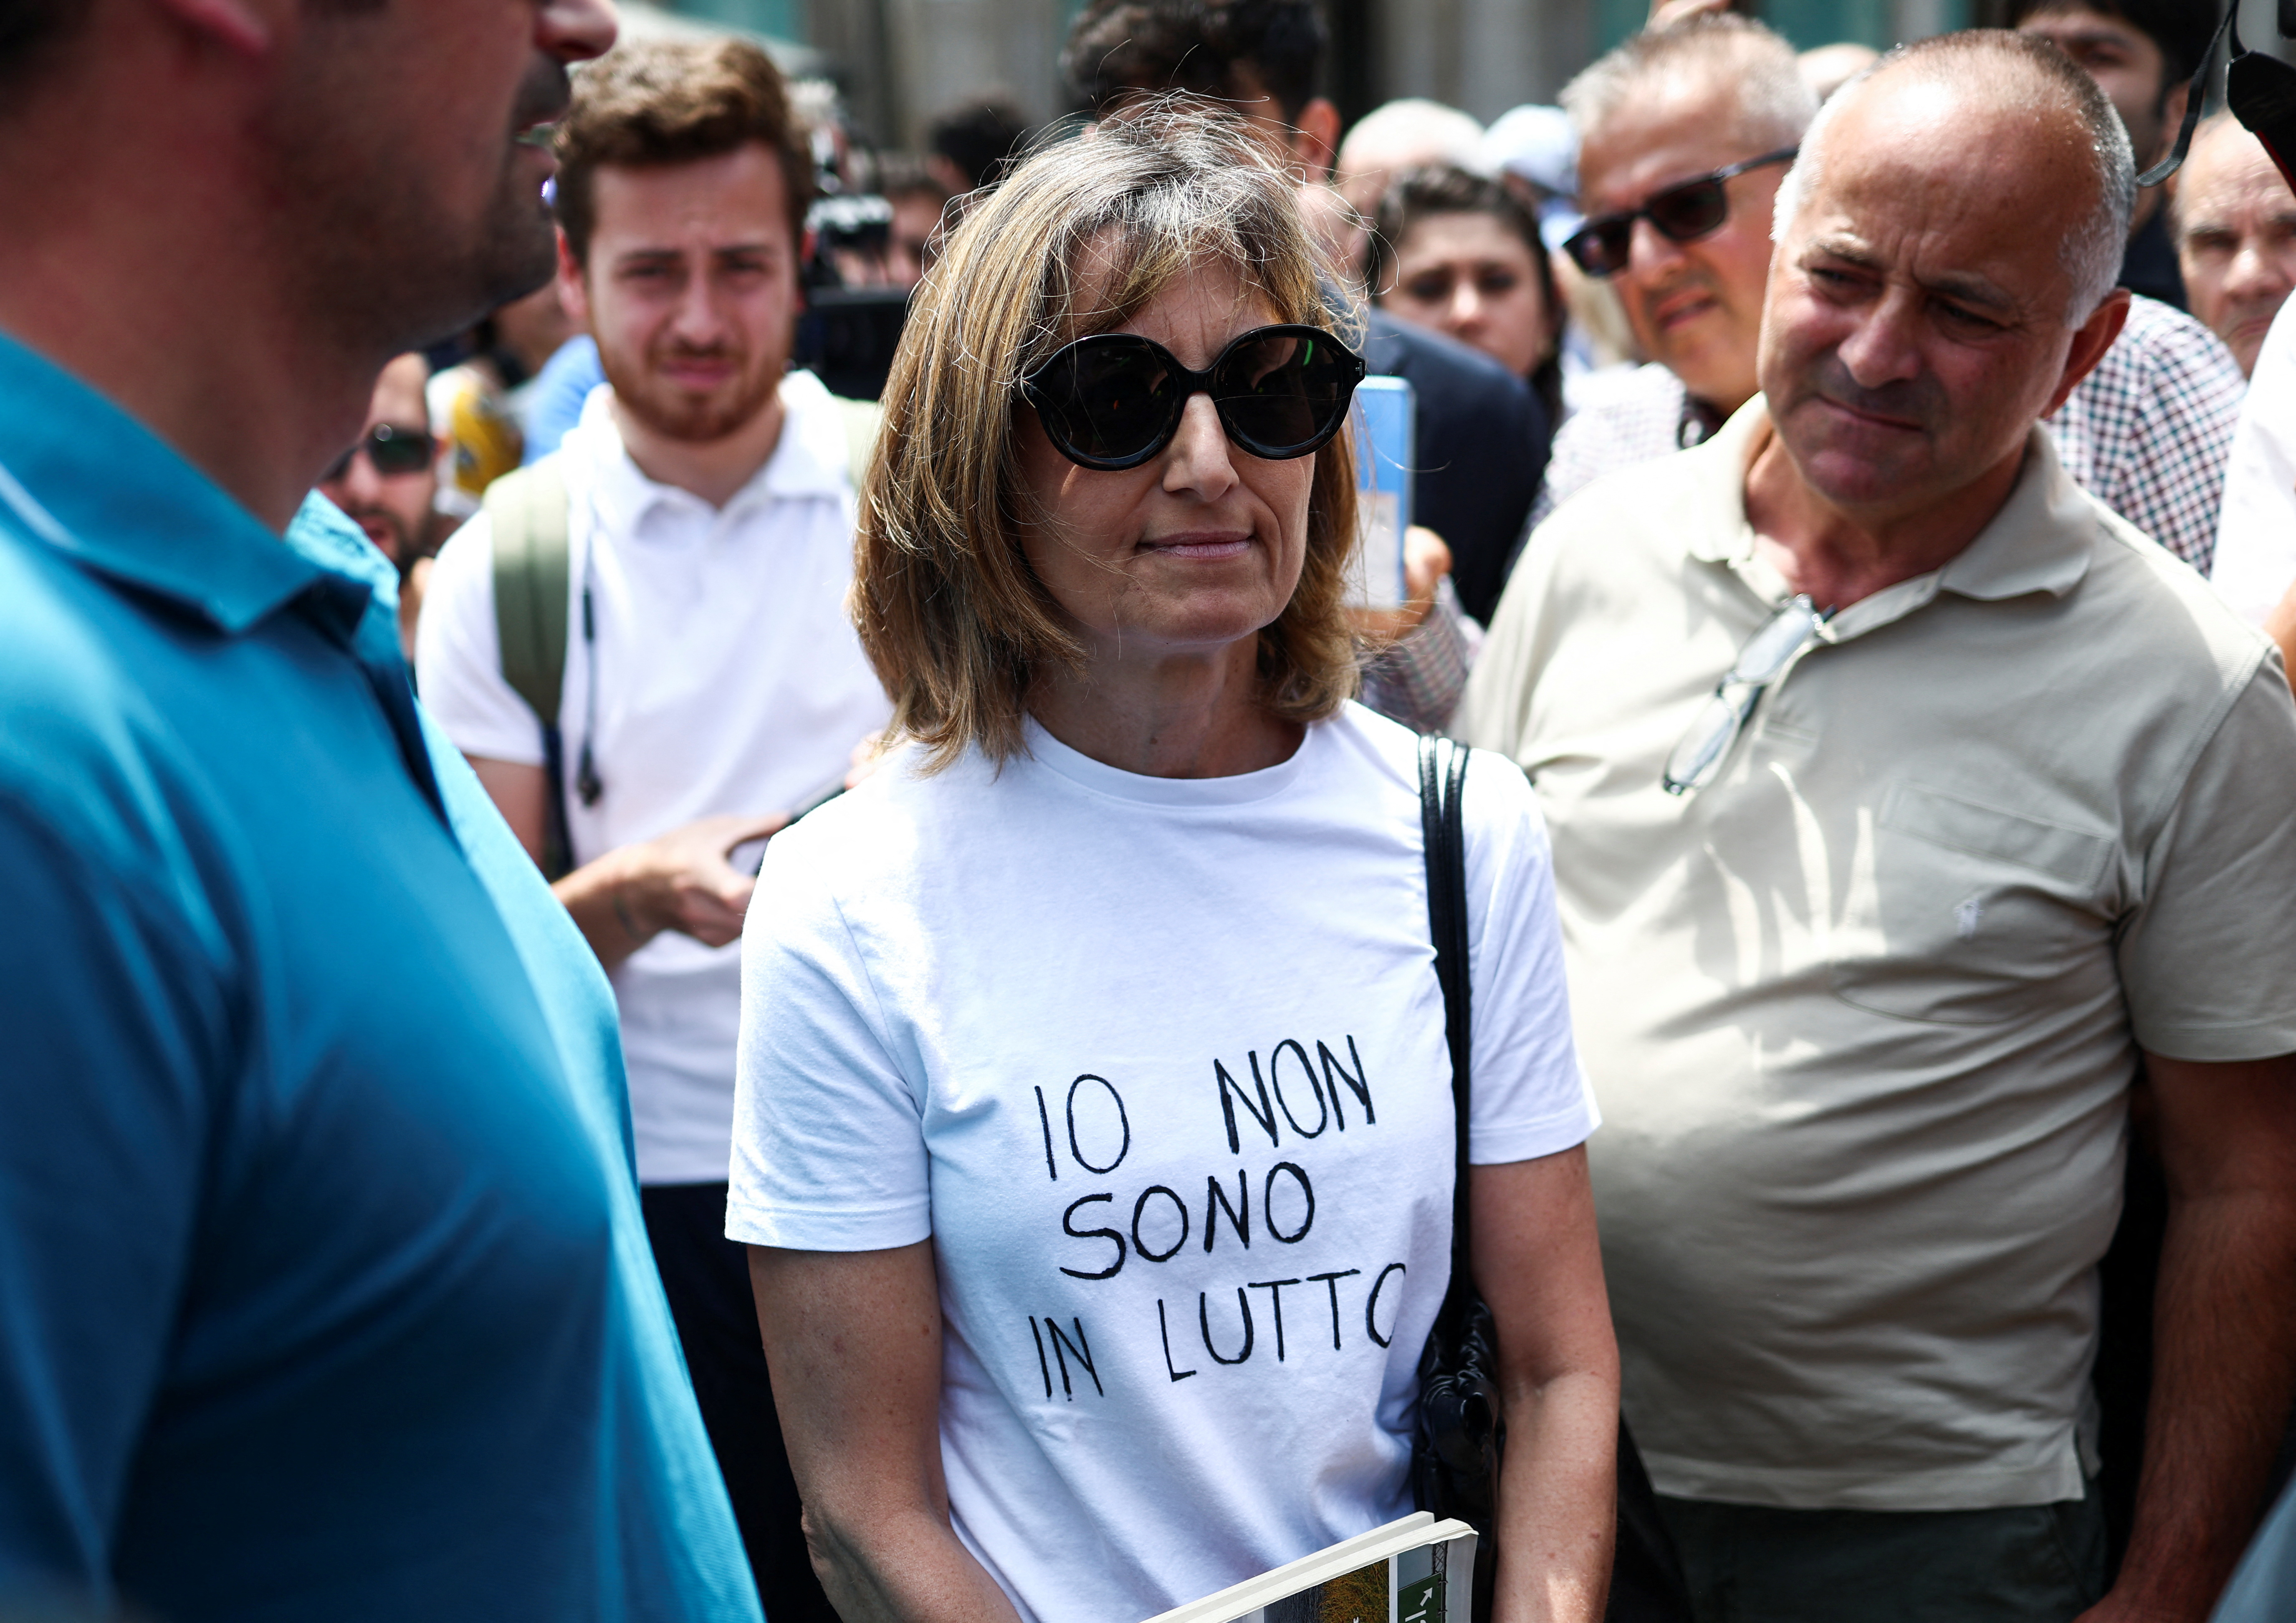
[{"x": 1538, "y": 143}]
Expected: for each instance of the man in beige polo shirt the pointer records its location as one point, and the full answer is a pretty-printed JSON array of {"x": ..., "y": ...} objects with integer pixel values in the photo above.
[{"x": 2006, "y": 821}]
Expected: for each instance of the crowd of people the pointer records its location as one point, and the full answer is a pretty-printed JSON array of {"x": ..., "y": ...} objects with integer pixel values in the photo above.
[{"x": 643, "y": 995}]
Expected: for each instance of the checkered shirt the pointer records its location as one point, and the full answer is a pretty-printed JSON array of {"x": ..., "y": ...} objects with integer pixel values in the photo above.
[
  {"x": 1418, "y": 679},
  {"x": 2148, "y": 433}
]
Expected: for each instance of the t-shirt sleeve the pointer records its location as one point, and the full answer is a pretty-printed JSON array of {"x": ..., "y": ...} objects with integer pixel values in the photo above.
[
  {"x": 829, "y": 1152},
  {"x": 114, "y": 1022},
  {"x": 458, "y": 656},
  {"x": 2204, "y": 958},
  {"x": 1530, "y": 1098}
]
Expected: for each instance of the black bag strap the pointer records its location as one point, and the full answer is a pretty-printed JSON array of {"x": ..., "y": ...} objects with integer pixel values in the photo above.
[
  {"x": 2198, "y": 94},
  {"x": 1442, "y": 787}
]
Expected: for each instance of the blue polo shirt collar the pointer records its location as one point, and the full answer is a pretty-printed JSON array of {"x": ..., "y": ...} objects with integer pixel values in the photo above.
[
  {"x": 159, "y": 525},
  {"x": 154, "y": 522}
]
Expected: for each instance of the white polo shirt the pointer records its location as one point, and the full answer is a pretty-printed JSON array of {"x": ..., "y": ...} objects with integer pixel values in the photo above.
[
  {"x": 1862, "y": 1013},
  {"x": 729, "y": 679}
]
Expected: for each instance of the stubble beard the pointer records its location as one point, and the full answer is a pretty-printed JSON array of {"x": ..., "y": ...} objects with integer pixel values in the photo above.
[
  {"x": 383, "y": 265},
  {"x": 675, "y": 414}
]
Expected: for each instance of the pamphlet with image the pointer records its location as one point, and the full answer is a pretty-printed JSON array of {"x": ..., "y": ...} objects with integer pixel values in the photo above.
[{"x": 1414, "y": 1570}]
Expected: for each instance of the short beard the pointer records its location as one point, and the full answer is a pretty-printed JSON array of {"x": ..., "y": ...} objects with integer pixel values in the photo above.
[
  {"x": 408, "y": 540},
  {"x": 676, "y": 416}
]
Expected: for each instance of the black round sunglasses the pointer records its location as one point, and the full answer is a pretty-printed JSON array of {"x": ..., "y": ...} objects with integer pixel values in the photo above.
[
  {"x": 1112, "y": 401},
  {"x": 1681, "y": 213}
]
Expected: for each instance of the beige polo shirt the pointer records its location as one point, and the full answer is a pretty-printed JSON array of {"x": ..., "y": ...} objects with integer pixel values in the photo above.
[{"x": 1861, "y": 1013}]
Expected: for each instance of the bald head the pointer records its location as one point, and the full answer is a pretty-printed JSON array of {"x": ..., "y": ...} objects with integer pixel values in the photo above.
[
  {"x": 1410, "y": 134},
  {"x": 2012, "y": 117},
  {"x": 1922, "y": 313},
  {"x": 2235, "y": 230}
]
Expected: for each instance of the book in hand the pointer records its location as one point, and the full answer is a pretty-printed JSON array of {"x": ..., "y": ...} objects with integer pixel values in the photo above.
[{"x": 1414, "y": 1570}]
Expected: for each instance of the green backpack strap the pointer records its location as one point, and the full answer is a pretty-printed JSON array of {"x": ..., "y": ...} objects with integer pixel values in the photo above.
[
  {"x": 527, "y": 513},
  {"x": 862, "y": 420}
]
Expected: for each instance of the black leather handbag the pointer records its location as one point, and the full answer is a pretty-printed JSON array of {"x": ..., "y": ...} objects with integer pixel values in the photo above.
[{"x": 1461, "y": 1432}]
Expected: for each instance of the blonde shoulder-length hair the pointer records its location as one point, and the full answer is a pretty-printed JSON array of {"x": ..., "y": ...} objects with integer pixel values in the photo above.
[{"x": 952, "y": 616}]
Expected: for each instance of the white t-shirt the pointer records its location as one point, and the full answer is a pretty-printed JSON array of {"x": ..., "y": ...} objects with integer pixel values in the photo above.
[
  {"x": 729, "y": 680},
  {"x": 2256, "y": 533},
  {"x": 1159, "y": 1065}
]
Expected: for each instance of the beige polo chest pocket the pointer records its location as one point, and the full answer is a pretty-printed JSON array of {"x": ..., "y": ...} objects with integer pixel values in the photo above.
[{"x": 1966, "y": 915}]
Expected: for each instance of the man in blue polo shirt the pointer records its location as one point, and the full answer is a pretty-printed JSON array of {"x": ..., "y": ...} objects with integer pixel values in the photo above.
[{"x": 324, "y": 1291}]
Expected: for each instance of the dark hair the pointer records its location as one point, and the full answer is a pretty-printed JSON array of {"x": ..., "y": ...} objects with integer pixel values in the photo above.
[
  {"x": 981, "y": 138},
  {"x": 901, "y": 175},
  {"x": 30, "y": 31},
  {"x": 1116, "y": 47},
  {"x": 1417, "y": 194},
  {"x": 2180, "y": 27},
  {"x": 656, "y": 102}
]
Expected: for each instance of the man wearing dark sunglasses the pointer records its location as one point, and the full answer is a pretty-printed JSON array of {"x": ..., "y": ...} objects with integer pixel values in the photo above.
[
  {"x": 1920, "y": 824},
  {"x": 386, "y": 483}
]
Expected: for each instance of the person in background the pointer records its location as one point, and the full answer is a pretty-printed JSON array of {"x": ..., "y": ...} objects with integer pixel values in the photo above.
[
  {"x": 2142, "y": 54},
  {"x": 1534, "y": 151},
  {"x": 1410, "y": 134},
  {"x": 920, "y": 203},
  {"x": 1135, "y": 824},
  {"x": 386, "y": 482},
  {"x": 1461, "y": 255},
  {"x": 1482, "y": 437},
  {"x": 1921, "y": 832},
  {"x": 324, "y": 1292},
  {"x": 708, "y": 681},
  {"x": 2234, "y": 221},
  {"x": 1664, "y": 118},
  {"x": 969, "y": 145},
  {"x": 1711, "y": 108},
  {"x": 553, "y": 404},
  {"x": 477, "y": 405}
]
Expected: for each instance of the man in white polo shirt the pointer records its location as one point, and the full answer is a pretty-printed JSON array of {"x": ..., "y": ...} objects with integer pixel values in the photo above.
[
  {"x": 1869, "y": 949},
  {"x": 707, "y": 680}
]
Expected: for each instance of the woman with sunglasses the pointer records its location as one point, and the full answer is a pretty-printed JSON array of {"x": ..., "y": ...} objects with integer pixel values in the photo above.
[{"x": 1094, "y": 1136}]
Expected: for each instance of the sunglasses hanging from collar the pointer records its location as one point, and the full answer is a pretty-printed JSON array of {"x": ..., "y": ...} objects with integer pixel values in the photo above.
[{"x": 2260, "y": 89}]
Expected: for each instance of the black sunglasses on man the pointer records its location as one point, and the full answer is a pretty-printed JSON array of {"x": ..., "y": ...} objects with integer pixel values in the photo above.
[
  {"x": 394, "y": 450},
  {"x": 1682, "y": 213}
]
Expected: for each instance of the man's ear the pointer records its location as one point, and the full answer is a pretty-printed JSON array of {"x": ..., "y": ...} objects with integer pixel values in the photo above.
[
  {"x": 2090, "y": 341},
  {"x": 1315, "y": 138},
  {"x": 573, "y": 291}
]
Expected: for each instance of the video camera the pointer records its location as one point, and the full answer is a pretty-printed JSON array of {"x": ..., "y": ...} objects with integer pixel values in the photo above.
[{"x": 847, "y": 335}]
